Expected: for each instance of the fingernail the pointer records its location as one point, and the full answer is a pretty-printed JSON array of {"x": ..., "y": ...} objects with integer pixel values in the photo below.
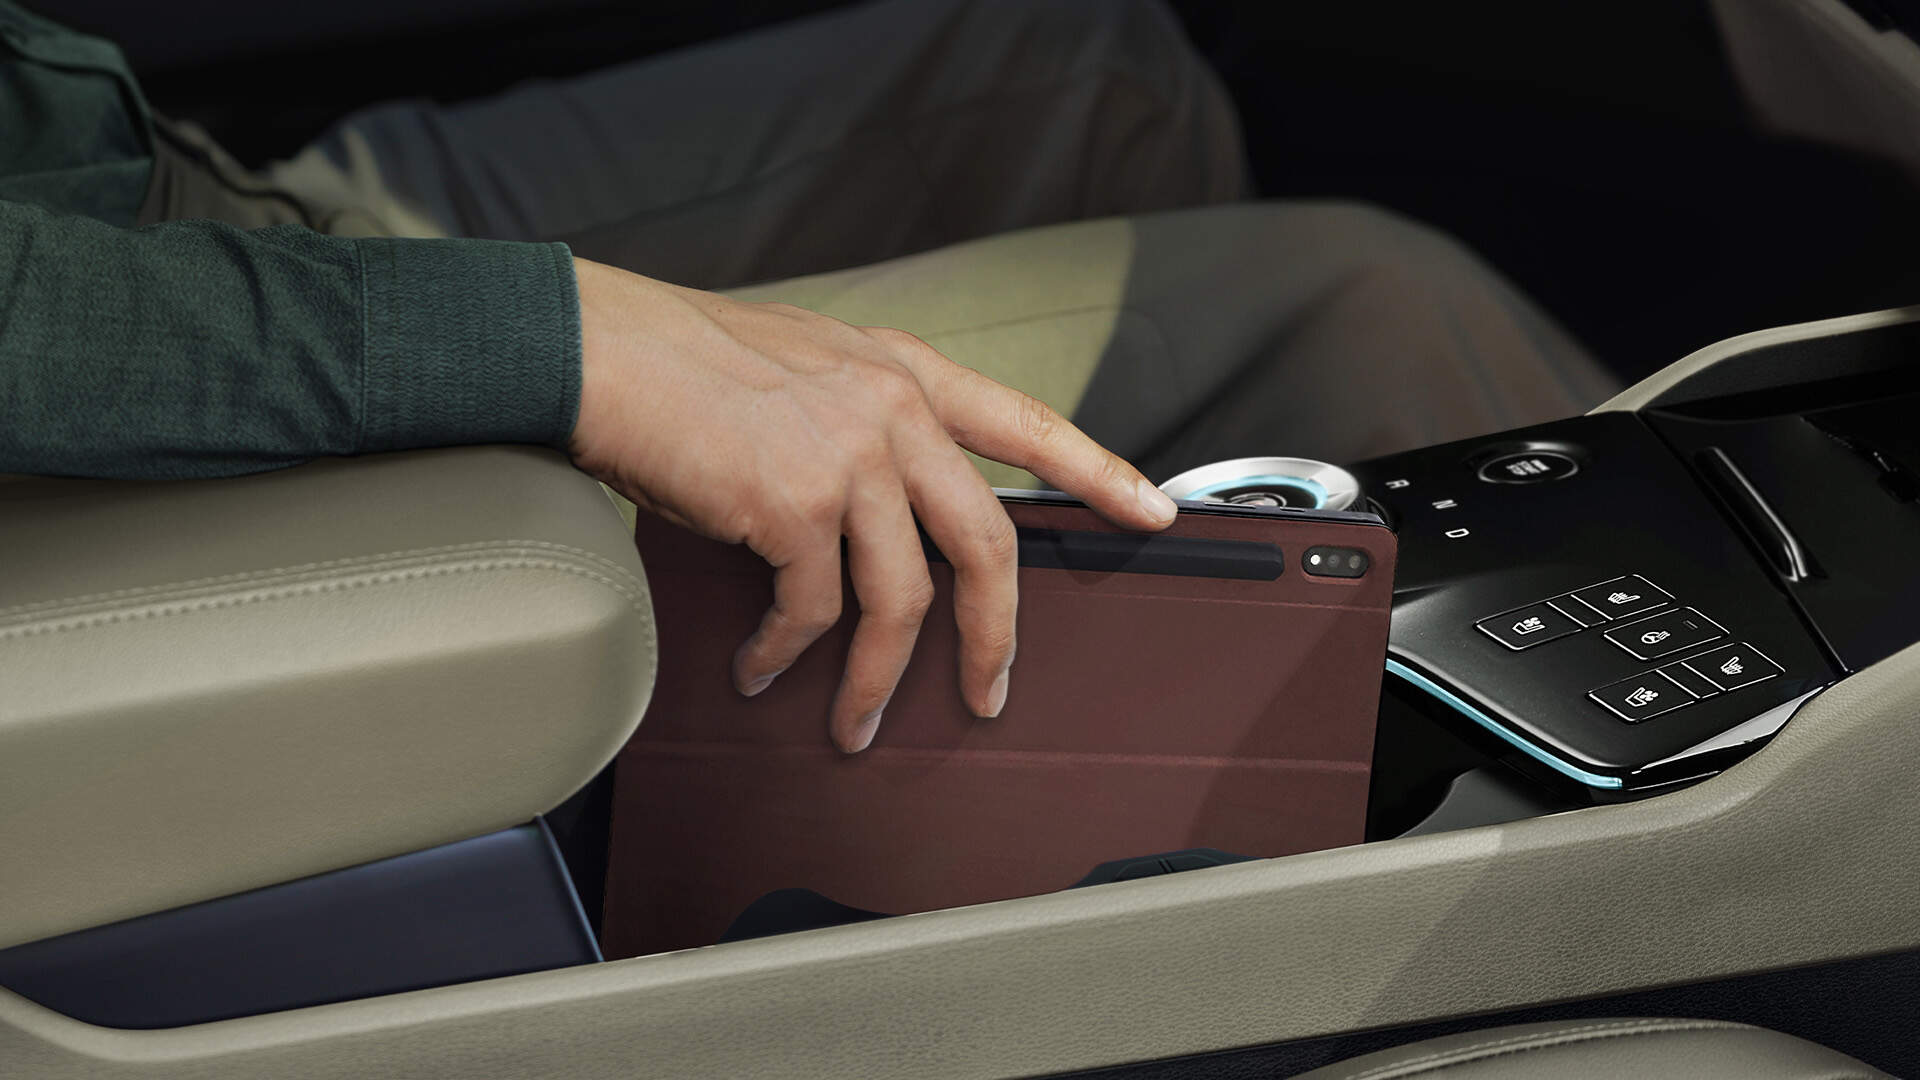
[
  {"x": 1155, "y": 502},
  {"x": 761, "y": 683},
  {"x": 997, "y": 694},
  {"x": 863, "y": 735}
]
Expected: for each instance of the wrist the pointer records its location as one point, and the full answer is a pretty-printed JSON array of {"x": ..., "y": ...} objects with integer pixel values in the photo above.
[{"x": 605, "y": 364}]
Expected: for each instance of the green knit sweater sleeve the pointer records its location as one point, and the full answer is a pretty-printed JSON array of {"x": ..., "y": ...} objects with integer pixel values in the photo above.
[{"x": 193, "y": 349}]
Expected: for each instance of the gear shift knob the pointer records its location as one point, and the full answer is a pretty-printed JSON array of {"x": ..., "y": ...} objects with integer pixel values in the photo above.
[{"x": 1268, "y": 481}]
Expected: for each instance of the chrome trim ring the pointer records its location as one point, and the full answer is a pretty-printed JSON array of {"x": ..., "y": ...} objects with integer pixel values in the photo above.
[{"x": 1334, "y": 487}]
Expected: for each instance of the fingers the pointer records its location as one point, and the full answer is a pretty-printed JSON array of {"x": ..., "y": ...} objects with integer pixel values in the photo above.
[
  {"x": 1006, "y": 425},
  {"x": 806, "y": 604},
  {"x": 916, "y": 422},
  {"x": 890, "y": 579},
  {"x": 964, "y": 518}
]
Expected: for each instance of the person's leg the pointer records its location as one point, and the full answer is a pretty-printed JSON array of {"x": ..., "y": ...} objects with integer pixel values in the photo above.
[
  {"x": 1323, "y": 330},
  {"x": 832, "y": 141}
]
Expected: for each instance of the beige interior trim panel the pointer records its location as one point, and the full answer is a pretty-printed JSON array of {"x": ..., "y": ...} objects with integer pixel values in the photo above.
[
  {"x": 1732, "y": 350},
  {"x": 1799, "y": 855},
  {"x": 213, "y": 686}
]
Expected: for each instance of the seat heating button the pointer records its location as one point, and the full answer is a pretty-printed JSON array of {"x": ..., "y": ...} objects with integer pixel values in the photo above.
[
  {"x": 1665, "y": 634},
  {"x": 1527, "y": 626},
  {"x": 1734, "y": 666},
  {"x": 1623, "y": 596},
  {"x": 1642, "y": 696}
]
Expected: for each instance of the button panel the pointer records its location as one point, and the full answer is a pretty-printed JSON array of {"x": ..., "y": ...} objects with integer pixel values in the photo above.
[
  {"x": 1637, "y": 619},
  {"x": 1528, "y": 626},
  {"x": 1558, "y": 616},
  {"x": 1642, "y": 696},
  {"x": 1665, "y": 634},
  {"x": 1623, "y": 596}
]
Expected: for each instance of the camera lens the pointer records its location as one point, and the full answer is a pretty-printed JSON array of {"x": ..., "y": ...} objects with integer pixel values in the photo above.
[{"x": 1327, "y": 561}]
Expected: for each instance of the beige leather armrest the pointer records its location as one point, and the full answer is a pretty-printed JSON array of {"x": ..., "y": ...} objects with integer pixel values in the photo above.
[{"x": 212, "y": 686}]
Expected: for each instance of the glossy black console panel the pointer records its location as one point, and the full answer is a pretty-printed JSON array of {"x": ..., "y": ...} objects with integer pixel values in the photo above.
[
  {"x": 1842, "y": 483},
  {"x": 1541, "y": 530},
  {"x": 494, "y": 905}
]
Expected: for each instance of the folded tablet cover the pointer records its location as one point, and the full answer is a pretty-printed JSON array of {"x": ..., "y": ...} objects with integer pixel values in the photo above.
[{"x": 1196, "y": 689}]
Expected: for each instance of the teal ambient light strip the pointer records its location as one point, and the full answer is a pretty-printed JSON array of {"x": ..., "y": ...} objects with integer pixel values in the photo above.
[{"x": 1395, "y": 667}]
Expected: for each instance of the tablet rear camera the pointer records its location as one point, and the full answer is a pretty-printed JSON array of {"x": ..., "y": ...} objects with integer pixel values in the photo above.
[{"x": 1328, "y": 561}]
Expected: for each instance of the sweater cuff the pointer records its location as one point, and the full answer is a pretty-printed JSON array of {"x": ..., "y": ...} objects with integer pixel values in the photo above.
[{"x": 467, "y": 341}]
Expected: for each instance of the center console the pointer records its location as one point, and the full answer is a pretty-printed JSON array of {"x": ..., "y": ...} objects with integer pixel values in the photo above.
[{"x": 1631, "y": 600}]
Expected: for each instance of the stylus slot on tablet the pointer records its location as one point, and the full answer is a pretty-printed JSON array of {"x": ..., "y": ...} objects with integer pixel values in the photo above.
[{"x": 1128, "y": 553}]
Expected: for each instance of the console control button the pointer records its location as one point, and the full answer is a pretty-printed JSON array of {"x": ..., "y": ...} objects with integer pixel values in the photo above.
[
  {"x": 1665, "y": 634},
  {"x": 1731, "y": 667},
  {"x": 1642, "y": 696},
  {"x": 1527, "y": 626},
  {"x": 1697, "y": 684},
  {"x": 1623, "y": 596},
  {"x": 1528, "y": 467}
]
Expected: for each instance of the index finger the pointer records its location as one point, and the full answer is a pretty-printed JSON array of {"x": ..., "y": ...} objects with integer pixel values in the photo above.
[{"x": 999, "y": 422}]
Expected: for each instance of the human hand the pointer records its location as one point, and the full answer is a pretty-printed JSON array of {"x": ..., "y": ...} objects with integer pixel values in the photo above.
[{"x": 785, "y": 430}]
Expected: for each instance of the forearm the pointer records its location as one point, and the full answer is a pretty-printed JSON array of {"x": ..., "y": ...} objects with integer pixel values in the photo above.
[{"x": 195, "y": 349}]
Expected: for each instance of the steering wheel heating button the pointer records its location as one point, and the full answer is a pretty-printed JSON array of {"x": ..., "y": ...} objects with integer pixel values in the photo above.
[
  {"x": 1665, "y": 634},
  {"x": 1642, "y": 696}
]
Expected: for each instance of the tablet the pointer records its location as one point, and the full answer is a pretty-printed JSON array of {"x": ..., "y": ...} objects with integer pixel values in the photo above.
[{"x": 1211, "y": 686}]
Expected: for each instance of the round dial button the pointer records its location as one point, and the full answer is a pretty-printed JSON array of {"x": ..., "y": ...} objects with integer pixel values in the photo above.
[{"x": 1529, "y": 467}]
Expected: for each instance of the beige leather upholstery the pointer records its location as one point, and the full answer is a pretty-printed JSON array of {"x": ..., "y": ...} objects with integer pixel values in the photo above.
[
  {"x": 1607, "y": 1050},
  {"x": 212, "y": 686}
]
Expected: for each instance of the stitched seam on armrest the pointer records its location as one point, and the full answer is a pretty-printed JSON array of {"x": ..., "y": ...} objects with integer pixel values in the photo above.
[
  {"x": 150, "y": 593},
  {"x": 633, "y": 596},
  {"x": 1540, "y": 1040}
]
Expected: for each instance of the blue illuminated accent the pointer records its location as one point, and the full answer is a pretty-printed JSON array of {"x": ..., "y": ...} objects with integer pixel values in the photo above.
[
  {"x": 1311, "y": 487},
  {"x": 1395, "y": 667}
]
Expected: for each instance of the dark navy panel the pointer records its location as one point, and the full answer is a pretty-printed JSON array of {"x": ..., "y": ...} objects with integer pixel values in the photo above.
[{"x": 494, "y": 905}]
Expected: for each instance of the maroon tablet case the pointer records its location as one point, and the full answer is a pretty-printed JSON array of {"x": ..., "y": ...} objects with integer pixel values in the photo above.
[{"x": 1193, "y": 689}]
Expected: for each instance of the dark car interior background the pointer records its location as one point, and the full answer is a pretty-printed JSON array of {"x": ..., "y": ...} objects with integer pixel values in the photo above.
[{"x": 1570, "y": 144}]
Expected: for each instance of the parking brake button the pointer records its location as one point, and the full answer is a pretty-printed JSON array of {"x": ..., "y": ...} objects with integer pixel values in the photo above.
[{"x": 1528, "y": 626}]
